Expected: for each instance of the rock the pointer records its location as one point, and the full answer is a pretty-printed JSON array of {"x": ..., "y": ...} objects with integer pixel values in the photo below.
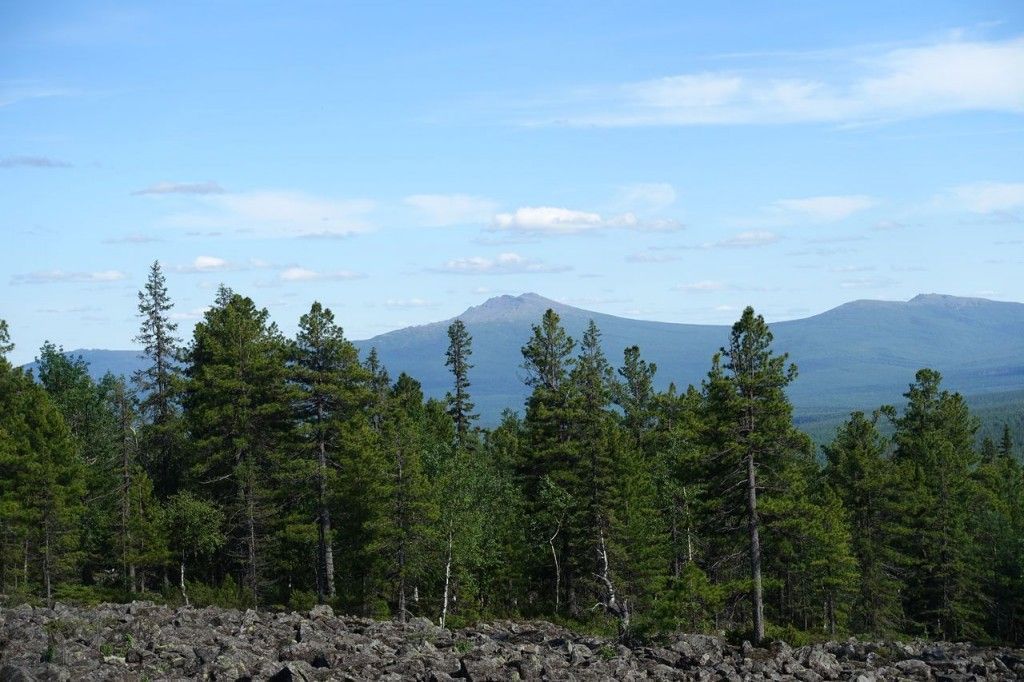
[
  {"x": 321, "y": 611},
  {"x": 13, "y": 673},
  {"x": 148, "y": 641}
]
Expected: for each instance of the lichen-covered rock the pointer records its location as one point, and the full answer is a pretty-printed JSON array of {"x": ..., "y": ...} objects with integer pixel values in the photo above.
[{"x": 143, "y": 640}]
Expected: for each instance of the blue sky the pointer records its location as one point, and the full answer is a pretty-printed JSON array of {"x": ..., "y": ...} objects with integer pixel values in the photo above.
[{"x": 401, "y": 162}]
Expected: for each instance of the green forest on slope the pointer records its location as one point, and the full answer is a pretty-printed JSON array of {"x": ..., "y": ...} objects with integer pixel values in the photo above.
[{"x": 243, "y": 468}]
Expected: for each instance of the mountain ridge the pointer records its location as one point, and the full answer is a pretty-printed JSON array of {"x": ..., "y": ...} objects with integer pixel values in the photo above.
[{"x": 854, "y": 356}]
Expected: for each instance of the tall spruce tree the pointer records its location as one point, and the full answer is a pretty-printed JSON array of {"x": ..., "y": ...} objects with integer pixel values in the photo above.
[
  {"x": 549, "y": 464},
  {"x": 402, "y": 524},
  {"x": 861, "y": 475},
  {"x": 460, "y": 407},
  {"x": 159, "y": 385},
  {"x": 240, "y": 422},
  {"x": 750, "y": 435},
  {"x": 41, "y": 499},
  {"x": 934, "y": 452},
  {"x": 333, "y": 392}
]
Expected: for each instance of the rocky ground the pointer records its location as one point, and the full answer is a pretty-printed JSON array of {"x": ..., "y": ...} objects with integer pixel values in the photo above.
[{"x": 142, "y": 641}]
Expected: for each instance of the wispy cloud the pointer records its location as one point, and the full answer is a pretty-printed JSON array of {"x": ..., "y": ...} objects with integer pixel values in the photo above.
[
  {"x": 441, "y": 210},
  {"x": 867, "y": 85},
  {"x": 502, "y": 264},
  {"x": 990, "y": 197},
  {"x": 868, "y": 283},
  {"x": 646, "y": 196},
  {"x": 56, "y": 276},
  {"x": 32, "y": 162},
  {"x": 14, "y": 92},
  {"x": 277, "y": 214},
  {"x": 300, "y": 274},
  {"x": 746, "y": 240},
  {"x": 136, "y": 238},
  {"x": 825, "y": 209},
  {"x": 554, "y": 220},
  {"x": 705, "y": 286},
  {"x": 408, "y": 303},
  {"x": 651, "y": 257},
  {"x": 208, "y": 187}
]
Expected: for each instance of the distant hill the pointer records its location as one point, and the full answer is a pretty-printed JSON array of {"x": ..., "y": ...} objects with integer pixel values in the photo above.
[{"x": 856, "y": 356}]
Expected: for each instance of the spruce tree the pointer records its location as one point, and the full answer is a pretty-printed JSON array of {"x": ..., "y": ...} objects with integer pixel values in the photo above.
[
  {"x": 460, "y": 407},
  {"x": 861, "y": 475},
  {"x": 159, "y": 385},
  {"x": 935, "y": 455},
  {"x": 41, "y": 499},
  {"x": 402, "y": 522},
  {"x": 240, "y": 422},
  {"x": 333, "y": 393},
  {"x": 549, "y": 465},
  {"x": 750, "y": 436}
]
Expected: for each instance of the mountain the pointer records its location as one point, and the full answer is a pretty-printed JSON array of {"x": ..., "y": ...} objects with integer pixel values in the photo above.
[{"x": 856, "y": 356}]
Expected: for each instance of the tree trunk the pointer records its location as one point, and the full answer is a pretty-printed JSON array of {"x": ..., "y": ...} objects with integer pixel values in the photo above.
[
  {"x": 447, "y": 579},
  {"x": 755, "y": 551},
  {"x": 326, "y": 555},
  {"x": 46, "y": 565},
  {"x": 181, "y": 578},
  {"x": 558, "y": 569},
  {"x": 250, "y": 521}
]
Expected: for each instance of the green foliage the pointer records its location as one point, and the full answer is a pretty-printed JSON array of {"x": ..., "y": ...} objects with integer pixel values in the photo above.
[{"x": 290, "y": 473}]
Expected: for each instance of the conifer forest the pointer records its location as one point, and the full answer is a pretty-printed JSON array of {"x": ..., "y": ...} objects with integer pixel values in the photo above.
[{"x": 242, "y": 468}]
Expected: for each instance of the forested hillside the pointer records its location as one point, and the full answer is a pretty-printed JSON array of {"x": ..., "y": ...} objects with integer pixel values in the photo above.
[
  {"x": 853, "y": 357},
  {"x": 244, "y": 468}
]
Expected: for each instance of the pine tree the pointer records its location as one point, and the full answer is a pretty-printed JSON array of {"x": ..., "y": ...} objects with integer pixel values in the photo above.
[
  {"x": 128, "y": 512},
  {"x": 240, "y": 420},
  {"x": 999, "y": 523},
  {"x": 402, "y": 522},
  {"x": 1006, "y": 442},
  {"x": 549, "y": 466},
  {"x": 5, "y": 340},
  {"x": 635, "y": 395},
  {"x": 43, "y": 488},
  {"x": 750, "y": 435},
  {"x": 934, "y": 453},
  {"x": 863, "y": 478},
  {"x": 159, "y": 384},
  {"x": 333, "y": 394},
  {"x": 460, "y": 407}
]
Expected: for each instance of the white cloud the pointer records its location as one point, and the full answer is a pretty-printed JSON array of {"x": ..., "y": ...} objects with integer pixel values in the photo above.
[
  {"x": 990, "y": 197},
  {"x": 502, "y": 264},
  {"x": 827, "y": 209},
  {"x": 208, "y": 263},
  {"x": 300, "y": 274},
  {"x": 277, "y": 213},
  {"x": 441, "y": 210},
  {"x": 705, "y": 286},
  {"x": 553, "y": 220},
  {"x": 51, "y": 276},
  {"x": 181, "y": 188},
  {"x": 931, "y": 79}
]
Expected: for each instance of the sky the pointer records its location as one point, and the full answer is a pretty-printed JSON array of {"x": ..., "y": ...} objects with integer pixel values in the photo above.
[{"x": 400, "y": 162}]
